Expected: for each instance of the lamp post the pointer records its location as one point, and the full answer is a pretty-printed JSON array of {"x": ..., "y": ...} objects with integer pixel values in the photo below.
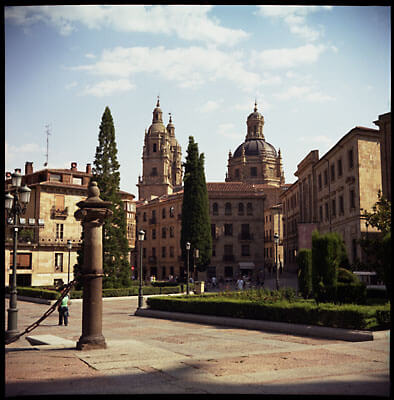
[
  {"x": 69, "y": 247},
  {"x": 187, "y": 264},
  {"x": 141, "y": 236},
  {"x": 15, "y": 206},
  {"x": 276, "y": 240}
]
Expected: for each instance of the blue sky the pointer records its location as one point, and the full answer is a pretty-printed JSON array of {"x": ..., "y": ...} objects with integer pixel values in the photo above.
[{"x": 315, "y": 71}]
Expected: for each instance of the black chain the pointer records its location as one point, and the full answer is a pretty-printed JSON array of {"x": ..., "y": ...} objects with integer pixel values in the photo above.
[{"x": 47, "y": 314}]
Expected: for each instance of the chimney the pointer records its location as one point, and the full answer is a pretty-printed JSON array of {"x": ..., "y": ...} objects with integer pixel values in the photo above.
[
  {"x": 73, "y": 166},
  {"x": 28, "y": 168},
  {"x": 88, "y": 168}
]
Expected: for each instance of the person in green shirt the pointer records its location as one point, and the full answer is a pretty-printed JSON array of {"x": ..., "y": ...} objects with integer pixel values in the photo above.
[{"x": 63, "y": 311}]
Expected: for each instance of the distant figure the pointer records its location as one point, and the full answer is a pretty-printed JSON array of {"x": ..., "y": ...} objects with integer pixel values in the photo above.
[
  {"x": 63, "y": 311},
  {"x": 214, "y": 281},
  {"x": 240, "y": 284}
]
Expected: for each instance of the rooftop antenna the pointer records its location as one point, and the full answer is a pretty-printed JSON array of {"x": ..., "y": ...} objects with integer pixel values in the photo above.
[{"x": 48, "y": 132}]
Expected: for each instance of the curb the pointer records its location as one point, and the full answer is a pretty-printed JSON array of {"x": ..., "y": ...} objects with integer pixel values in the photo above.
[{"x": 349, "y": 335}]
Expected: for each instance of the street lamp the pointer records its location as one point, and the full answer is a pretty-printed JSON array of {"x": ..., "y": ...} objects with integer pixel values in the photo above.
[
  {"x": 276, "y": 240},
  {"x": 69, "y": 247},
  {"x": 15, "y": 206},
  {"x": 141, "y": 236},
  {"x": 187, "y": 263}
]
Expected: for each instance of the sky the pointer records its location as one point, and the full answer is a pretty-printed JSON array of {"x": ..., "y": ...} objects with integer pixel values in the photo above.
[{"x": 315, "y": 72}]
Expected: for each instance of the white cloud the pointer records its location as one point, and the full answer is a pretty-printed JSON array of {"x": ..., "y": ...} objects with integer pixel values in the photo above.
[
  {"x": 228, "y": 130},
  {"x": 287, "y": 58},
  {"x": 23, "y": 152},
  {"x": 189, "y": 67},
  {"x": 307, "y": 93},
  {"x": 188, "y": 22},
  {"x": 295, "y": 18},
  {"x": 108, "y": 87},
  {"x": 211, "y": 105}
]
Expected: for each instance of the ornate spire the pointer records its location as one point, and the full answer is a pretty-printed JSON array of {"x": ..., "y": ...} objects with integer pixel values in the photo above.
[
  {"x": 255, "y": 105},
  {"x": 158, "y": 101}
]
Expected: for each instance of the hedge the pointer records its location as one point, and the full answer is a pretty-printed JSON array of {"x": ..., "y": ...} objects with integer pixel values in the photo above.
[
  {"x": 349, "y": 316},
  {"x": 77, "y": 294}
]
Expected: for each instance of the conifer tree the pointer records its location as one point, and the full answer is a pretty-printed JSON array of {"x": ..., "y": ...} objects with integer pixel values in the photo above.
[
  {"x": 105, "y": 172},
  {"x": 196, "y": 225}
]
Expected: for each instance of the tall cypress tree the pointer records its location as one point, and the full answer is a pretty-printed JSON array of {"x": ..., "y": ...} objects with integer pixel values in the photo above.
[
  {"x": 196, "y": 225},
  {"x": 105, "y": 172}
]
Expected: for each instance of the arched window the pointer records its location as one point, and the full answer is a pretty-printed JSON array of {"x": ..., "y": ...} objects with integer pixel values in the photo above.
[
  {"x": 227, "y": 209},
  {"x": 215, "y": 209}
]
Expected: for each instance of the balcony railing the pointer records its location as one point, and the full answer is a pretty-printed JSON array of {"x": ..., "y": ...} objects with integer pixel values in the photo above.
[{"x": 59, "y": 213}]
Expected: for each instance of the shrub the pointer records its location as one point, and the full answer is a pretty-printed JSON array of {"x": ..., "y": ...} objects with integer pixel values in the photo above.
[
  {"x": 164, "y": 283},
  {"x": 37, "y": 293},
  {"x": 304, "y": 262},
  {"x": 346, "y": 276}
]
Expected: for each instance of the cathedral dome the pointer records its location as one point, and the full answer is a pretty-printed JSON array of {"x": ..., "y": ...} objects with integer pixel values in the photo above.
[{"x": 253, "y": 147}]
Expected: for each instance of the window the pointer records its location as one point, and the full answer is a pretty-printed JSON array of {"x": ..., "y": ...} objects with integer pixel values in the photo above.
[
  {"x": 245, "y": 250},
  {"x": 350, "y": 158},
  {"x": 227, "y": 209},
  {"x": 334, "y": 207},
  {"x": 319, "y": 181},
  {"x": 153, "y": 251},
  {"x": 59, "y": 202},
  {"x": 213, "y": 231},
  {"x": 163, "y": 252},
  {"x": 144, "y": 252},
  {"x": 171, "y": 231},
  {"x": 240, "y": 209},
  {"x": 144, "y": 216},
  {"x": 163, "y": 213},
  {"x": 326, "y": 208},
  {"x": 55, "y": 178},
  {"x": 245, "y": 234},
  {"x": 163, "y": 232},
  {"x": 59, "y": 262},
  {"x": 23, "y": 260},
  {"x": 215, "y": 209},
  {"x": 249, "y": 209},
  {"x": 172, "y": 212},
  {"x": 321, "y": 213},
  {"x": 237, "y": 173},
  {"x": 352, "y": 199},
  {"x": 77, "y": 181},
  {"x": 228, "y": 229},
  {"x": 154, "y": 171},
  {"x": 171, "y": 252},
  {"x": 332, "y": 172},
  {"x": 253, "y": 171},
  {"x": 325, "y": 177},
  {"x": 59, "y": 231},
  {"x": 339, "y": 166},
  {"x": 228, "y": 249},
  {"x": 153, "y": 234},
  {"x": 341, "y": 205},
  {"x": 154, "y": 147},
  {"x": 213, "y": 251}
]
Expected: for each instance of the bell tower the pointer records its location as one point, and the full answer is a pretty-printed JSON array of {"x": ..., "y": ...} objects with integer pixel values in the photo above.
[{"x": 161, "y": 159}]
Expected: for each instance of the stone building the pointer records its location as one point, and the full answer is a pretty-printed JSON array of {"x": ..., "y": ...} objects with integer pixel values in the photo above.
[
  {"x": 238, "y": 207},
  {"x": 161, "y": 159},
  {"x": 43, "y": 257},
  {"x": 331, "y": 192},
  {"x": 384, "y": 124}
]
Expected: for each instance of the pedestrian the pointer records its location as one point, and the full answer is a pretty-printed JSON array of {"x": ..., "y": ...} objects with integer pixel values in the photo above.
[
  {"x": 63, "y": 311},
  {"x": 214, "y": 281},
  {"x": 240, "y": 283}
]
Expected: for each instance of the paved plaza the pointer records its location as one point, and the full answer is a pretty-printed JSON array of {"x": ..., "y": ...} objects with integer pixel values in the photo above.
[{"x": 150, "y": 355}]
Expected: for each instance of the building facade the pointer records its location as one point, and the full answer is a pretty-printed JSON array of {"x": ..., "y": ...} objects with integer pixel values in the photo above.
[
  {"x": 331, "y": 193},
  {"x": 238, "y": 209},
  {"x": 43, "y": 257}
]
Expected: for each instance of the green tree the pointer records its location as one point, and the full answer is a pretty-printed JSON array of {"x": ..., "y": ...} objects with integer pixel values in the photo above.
[
  {"x": 196, "y": 225},
  {"x": 380, "y": 216},
  {"x": 378, "y": 246},
  {"x": 116, "y": 266},
  {"x": 304, "y": 262}
]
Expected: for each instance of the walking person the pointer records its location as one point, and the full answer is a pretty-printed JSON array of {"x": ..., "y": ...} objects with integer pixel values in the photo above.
[{"x": 63, "y": 311}]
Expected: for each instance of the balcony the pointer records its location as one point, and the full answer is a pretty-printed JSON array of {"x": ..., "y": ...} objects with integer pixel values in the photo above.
[{"x": 58, "y": 213}]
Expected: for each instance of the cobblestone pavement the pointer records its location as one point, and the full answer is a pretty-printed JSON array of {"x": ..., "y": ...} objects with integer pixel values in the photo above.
[{"x": 149, "y": 355}]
